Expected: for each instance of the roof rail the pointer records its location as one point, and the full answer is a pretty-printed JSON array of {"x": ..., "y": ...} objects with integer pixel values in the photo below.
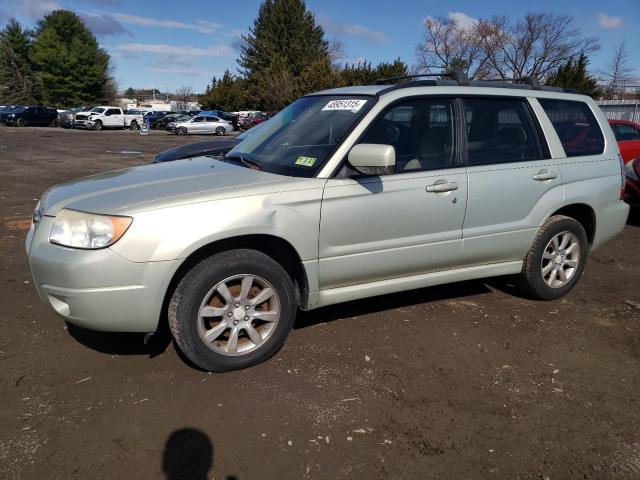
[{"x": 458, "y": 78}]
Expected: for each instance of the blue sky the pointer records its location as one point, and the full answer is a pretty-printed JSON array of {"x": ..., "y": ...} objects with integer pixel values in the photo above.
[{"x": 168, "y": 44}]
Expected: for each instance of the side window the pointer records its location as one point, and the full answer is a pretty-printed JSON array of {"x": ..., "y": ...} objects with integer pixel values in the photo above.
[
  {"x": 198, "y": 119},
  {"x": 500, "y": 131},
  {"x": 422, "y": 131},
  {"x": 626, "y": 132},
  {"x": 576, "y": 126}
]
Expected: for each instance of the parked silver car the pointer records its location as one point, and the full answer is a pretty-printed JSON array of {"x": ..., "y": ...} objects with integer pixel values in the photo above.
[
  {"x": 345, "y": 194},
  {"x": 204, "y": 124}
]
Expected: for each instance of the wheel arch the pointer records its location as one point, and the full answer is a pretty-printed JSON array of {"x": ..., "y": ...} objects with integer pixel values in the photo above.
[
  {"x": 582, "y": 213},
  {"x": 275, "y": 247}
]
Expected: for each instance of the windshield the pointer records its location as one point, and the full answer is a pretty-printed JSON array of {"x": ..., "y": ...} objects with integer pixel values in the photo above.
[
  {"x": 97, "y": 110},
  {"x": 19, "y": 109},
  {"x": 299, "y": 139}
]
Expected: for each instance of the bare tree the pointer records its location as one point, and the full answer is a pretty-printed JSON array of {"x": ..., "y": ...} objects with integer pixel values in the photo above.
[
  {"x": 534, "y": 46},
  {"x": 183, "y": 96},
  {"x": 336, "y": 50},
  {"x": 448, "y": 45},
  {"x": 618, "y": 73}
]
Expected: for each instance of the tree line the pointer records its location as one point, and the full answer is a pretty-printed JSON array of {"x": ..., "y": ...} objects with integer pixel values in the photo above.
[
  {"x": 286, "y": 55},
  {"x": 58, "y": 63}
]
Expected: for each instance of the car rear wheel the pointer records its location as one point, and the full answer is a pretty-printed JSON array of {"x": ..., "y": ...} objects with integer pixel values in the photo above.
[
  {"x": 556, "y": 259},
  {"x": 21, "y": 122},
  {"x": 220, "y": 131},
  {"x": 134, "y": 125},
  {"x": 232, "y": 310},
  {"x": 97, "y": 126}
]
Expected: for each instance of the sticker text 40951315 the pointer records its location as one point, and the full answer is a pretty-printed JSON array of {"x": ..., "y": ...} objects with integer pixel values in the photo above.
[{"x": 351, "y": 105}]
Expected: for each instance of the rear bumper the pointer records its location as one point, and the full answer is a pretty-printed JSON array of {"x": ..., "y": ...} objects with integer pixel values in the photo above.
[
  {"x": 610, "y": 220},
  {"x": 97, "y": 289}
]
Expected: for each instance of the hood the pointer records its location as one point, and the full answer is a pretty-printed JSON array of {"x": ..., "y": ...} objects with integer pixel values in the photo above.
[
  {"x": 210, "y": 147},
  {"x": 152, "y": 186}
]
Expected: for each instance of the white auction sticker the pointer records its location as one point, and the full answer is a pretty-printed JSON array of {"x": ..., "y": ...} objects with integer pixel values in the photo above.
[{"x": 350, "y": 105}]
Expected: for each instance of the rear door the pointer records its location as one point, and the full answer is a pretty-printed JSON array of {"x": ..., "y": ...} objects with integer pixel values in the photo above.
[{"x": 512, "y": 180}]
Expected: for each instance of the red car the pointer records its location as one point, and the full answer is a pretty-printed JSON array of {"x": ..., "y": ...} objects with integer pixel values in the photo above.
[{"x": 628, "y": 136}]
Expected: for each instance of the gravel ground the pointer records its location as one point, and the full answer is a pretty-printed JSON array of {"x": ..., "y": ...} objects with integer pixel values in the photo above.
[{"x": 464, "y": 381}]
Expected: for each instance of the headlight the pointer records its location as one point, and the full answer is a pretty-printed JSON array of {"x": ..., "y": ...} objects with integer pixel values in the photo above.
[{"x": 87, "y": 230}]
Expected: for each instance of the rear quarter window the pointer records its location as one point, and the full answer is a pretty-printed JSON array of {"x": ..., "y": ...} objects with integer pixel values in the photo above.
[{"x": 576, "y": 127}]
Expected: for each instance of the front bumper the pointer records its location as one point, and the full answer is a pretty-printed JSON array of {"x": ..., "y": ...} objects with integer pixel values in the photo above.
[
  {"x": 97, "y": 289},
  {"x": 83, "y": 124}
]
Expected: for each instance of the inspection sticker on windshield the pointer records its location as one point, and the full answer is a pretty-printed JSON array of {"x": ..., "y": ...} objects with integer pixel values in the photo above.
[
  {"x": 306, "y": 161},
  {"x": 349, "y": 105}
]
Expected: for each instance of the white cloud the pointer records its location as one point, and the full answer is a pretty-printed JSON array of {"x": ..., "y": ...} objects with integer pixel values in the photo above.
[
  {"x": 193, "y": 72},
  {"x": 463, "y": 21},
  {"x": 606, "y": 21},
  {"x": 338, "y": 29},
  {"x": 201, "y": 26},
  {"x": 184, "y": 50}
]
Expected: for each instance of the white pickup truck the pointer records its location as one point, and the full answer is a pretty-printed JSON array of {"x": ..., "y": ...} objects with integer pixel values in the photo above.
[{"x": 107, "y": 117}]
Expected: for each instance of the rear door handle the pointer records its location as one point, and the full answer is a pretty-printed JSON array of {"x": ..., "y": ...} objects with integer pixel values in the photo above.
[
  {"x": 543, "y": 175},
  {"x": 440, "y": 187}
]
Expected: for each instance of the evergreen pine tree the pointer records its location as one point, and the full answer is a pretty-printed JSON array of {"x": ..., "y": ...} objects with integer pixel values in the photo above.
[
  {"x": 574, "y": 74},
  {"x": 16, "y": 75},
  {"x": 71, "y": 68},
  {"x": 283, "y": 42}
]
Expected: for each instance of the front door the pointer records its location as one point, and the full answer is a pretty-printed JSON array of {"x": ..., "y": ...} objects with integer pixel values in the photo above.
[{"x": 406, "y": 223}]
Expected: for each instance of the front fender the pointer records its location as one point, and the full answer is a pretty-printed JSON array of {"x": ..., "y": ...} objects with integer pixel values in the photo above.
[{"x": 175, "y": 232}]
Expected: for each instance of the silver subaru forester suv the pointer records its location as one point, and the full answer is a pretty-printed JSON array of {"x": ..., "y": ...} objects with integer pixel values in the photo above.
[{"x": 346, "y": 193}]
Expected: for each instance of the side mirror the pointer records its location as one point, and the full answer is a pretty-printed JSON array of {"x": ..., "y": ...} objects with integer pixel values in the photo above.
[{"x": 373, "y": 159}]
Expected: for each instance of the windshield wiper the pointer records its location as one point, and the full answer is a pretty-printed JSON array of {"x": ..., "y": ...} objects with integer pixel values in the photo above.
[{"x": 245, "y": 161}]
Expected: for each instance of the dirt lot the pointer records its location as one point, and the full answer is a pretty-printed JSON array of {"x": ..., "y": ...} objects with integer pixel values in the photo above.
[{"x": 463, "y": 381}]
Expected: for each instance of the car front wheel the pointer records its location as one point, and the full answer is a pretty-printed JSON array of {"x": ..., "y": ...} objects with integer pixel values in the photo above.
[
  {"x": 220, "y": 131},
  {"x": 232, "y": 310},
  {"x": 556, "y": 259},
  {"x": 97, "y": 126}
]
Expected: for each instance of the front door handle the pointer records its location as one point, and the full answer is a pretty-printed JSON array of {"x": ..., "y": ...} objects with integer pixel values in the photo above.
[
  {"x": 442, "y": 186},
  {"x": 543, "y": 175}
]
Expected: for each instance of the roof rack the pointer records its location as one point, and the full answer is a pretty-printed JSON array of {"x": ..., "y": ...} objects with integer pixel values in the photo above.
[{"x": 457, "y": 78}]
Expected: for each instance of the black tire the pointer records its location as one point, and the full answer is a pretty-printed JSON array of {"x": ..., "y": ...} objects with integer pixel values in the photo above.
[
  {"x": 134, "y": 125},
  {"x": 97, "y": 126},
  {"x": 181, "y": 131},
  {"x": 531, "y": 280},
  {"x": 193, "y": 290},
  {"x": 55, "y": 123},
  {"x": 21, "y": 122},
  {"x": 221, "y": 132}
]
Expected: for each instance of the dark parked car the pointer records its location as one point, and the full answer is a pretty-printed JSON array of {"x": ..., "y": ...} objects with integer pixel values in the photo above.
[
  {"x": 249, "y": 122},
  {"x": 66, "y": 118},
  {"x": 5, "y": 110},
  {"x": 156, "y": 119},
  {"x": 31, "y": 115}
]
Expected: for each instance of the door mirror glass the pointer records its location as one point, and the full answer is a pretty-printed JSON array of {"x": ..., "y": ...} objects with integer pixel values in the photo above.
[{"x": 373, "y": 159}]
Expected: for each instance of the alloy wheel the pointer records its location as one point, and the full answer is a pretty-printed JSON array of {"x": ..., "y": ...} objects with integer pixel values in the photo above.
[
  {"x": 238, "y": 314},
  {"x": 560, "y": 259}
]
